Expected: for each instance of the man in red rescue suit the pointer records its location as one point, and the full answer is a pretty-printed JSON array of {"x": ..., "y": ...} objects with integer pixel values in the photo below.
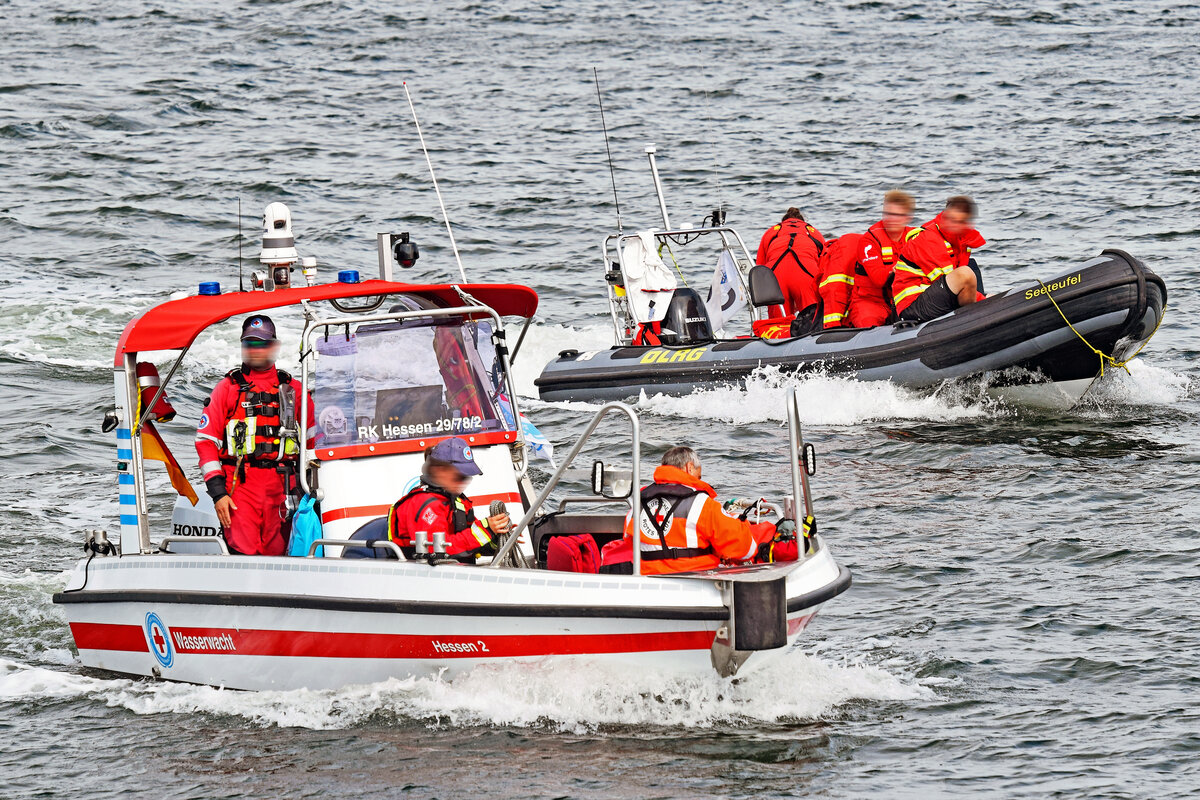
[
  {"x": 792, "y": 249},
  {"x": 878, "y": 252},
  {"x": 935, "y": 274},
  {"x": 238, "y": 441},
  {"x": 683, "y": 526},
  {"x": 438, "y": 505}
]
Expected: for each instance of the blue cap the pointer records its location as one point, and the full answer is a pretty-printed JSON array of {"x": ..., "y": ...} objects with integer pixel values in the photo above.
[
  {"x": 258, "y": 328},
  {"x": 455, "y": 453}
]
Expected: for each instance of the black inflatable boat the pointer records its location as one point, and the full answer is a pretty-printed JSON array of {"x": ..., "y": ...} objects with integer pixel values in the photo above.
[{"x": 1018, "y": 338}]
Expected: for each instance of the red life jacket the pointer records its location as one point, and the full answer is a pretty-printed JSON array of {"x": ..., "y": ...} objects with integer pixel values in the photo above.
[
  {"x": 461, "y": 390},
  {"x": 837, "y": 278},
  {"x": 433, "y": 509},
  {"x": 577, "y": 553},
  {"x": 878, "y": 254}
]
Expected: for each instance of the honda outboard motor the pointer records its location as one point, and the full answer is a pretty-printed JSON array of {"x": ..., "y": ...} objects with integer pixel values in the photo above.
[{"x": 687, "y": 320}]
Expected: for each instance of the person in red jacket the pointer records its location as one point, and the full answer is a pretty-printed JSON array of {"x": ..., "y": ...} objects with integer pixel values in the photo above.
[
  {"x": 438, "y": 505},
  {"x": 935, "y": 275},
  {"x": 792, "y": 249},
  {"x": 878, "y": 253},
  {"x": 837, "y": 279},
  {"x": 682, "y": 525},
  {"x": 240, "y": 444}
]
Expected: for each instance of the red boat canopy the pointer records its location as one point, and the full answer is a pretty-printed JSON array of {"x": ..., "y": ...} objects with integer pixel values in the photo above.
[{"x": 175, "y": 324}]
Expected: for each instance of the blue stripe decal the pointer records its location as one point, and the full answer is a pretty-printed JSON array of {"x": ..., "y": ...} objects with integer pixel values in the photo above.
[
  {"x": 129, "y": 519},
  {"x": 126, "y": 454},
  {"x": 124, "y": 433},
  {"x": 125, "y": 479},
  {"x": 128, "y": 500}
]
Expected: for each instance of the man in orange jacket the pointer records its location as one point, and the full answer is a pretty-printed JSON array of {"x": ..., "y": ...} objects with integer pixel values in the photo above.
[
  {"x": 878, "y": 252},
  {"x": 792, "y": 249},
  {"x": 934, "y": 276},
  {"x": 683, "y": 527}
]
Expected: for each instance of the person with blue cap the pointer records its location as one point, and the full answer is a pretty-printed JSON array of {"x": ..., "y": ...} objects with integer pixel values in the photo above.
[
  {"x": 243, "y": 455},
  {"x": 439, "y": 504}
]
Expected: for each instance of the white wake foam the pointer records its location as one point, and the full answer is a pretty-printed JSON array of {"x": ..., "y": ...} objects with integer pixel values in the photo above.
[
  {"x": 544, "y": 342},
  {"x": 824, "y": 400},
  {"x": 1144, "y": 385},
  {"x": 570, "y": 696}
]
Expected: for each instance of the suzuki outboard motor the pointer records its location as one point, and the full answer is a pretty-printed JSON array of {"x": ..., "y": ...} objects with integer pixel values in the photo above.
[{"x": 686, "y": 321}]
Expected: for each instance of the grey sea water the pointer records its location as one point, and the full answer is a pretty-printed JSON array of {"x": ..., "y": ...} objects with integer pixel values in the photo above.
[{"x": 1023, "y": 621}]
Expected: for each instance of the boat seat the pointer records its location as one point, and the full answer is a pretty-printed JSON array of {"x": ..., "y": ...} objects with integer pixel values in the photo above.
[
  {"x": 764, "y": 287},
  {"x": 686, "y": 321},
  {"x": 375, "y": 529}
]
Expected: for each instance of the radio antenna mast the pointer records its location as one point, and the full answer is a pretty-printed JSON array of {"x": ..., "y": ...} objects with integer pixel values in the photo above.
[
  {"x": 719, "y": 215},
  {"x": 612, "y": 174},
  {"x": 241, "y": 270},
  {"x": 437, "y": 191}
]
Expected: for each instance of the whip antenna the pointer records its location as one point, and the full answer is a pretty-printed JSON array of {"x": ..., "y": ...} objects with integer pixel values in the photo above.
[
  {"x": 437, "y": 191},
  {"x": 604, "y": 126},
  {"x": 241, "y": 281},
  {"x": 719, "y": 216}
]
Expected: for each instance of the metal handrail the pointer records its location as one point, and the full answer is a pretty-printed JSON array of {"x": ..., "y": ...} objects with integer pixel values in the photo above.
[
  {"x": 355, "y": 543},
  {"x": 166, "y": 540},
  {"x": 635, "y": 498},
  {"x": 724, "y": 231},
  {"x": 796, "y": 449},
  {"x": 595, "y": 499}
]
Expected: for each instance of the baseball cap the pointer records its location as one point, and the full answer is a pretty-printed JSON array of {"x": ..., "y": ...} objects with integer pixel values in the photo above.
[
  {"x": 455, "y": 453},
  {"x": 258, "y": 328}
]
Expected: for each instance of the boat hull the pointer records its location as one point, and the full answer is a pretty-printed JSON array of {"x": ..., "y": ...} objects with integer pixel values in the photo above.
[
  {"x": 280, "y": 623},
  {"x": 1017, "y": 337}
]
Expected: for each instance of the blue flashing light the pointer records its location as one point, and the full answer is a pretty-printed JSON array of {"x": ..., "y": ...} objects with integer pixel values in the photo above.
[
  {"x": 348, "y": 276},
  {"x": 210, "y": 288}
]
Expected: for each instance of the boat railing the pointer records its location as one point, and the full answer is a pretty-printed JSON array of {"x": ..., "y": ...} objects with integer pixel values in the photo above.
[
  {"x": 731, "y": 240},
  {"x": 635, "y": 498},
  {"x": 591, "y": 500},
  {"x": 800, "y": 456},
  {"x": 353, "y": 544},
  {"x": 218, "y": 540}
]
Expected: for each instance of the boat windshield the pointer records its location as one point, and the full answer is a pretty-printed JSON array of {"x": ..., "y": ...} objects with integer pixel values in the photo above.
[{"x": 407, "y": 380}]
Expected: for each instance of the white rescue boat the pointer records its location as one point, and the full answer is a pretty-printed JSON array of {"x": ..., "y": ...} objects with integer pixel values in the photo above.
[{"x": 166, "y": 599}]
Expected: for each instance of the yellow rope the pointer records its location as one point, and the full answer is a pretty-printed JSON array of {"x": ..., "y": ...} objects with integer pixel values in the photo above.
[
  {"x": 1104, "y": 357},
  {"x": 671, "y": 253}
]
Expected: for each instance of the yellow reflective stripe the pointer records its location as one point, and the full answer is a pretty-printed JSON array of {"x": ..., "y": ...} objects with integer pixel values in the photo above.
[
  {"x": 909, "y": 236},
  {"x": 479, "y": 533},
  {"x": 911, "y": 291},
  {"x": 939, "y": 272},
  {"x": 836, "y": 278},
  {"x": 887, "y": 251},
  {"x": 907, "y": 268},
  {"x": 834, "y": 318}
]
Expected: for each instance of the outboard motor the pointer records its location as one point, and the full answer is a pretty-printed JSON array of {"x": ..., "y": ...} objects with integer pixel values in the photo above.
[{"x": 687, "y": 320}]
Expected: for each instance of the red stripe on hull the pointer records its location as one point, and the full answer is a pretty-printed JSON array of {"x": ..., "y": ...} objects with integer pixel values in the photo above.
[
  {"x": 102, "y": 636},
  {"x": 323, "y": 644}
]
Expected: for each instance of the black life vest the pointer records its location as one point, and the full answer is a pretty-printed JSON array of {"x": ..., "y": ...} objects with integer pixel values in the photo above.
[
  {"x": 665, "y": 500},
  {"x": 264, "y": 406}
]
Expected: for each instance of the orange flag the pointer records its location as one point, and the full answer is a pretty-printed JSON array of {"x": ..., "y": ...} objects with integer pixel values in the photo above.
[{"x": 155, "y": 449}]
